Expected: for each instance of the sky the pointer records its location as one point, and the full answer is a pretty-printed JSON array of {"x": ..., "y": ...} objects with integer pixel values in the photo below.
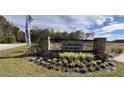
[{"x": 109, "y": 26}]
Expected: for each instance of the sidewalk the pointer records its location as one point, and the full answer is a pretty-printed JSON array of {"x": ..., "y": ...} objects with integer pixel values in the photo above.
[{"x": 120, "y": 58}]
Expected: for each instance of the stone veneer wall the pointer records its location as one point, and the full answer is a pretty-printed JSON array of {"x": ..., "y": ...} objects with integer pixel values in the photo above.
[{"x": 98, "y": 45}]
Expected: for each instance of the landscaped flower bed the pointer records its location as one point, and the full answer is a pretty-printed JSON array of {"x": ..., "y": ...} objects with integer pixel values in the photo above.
[{"x": 75, "y": 62}]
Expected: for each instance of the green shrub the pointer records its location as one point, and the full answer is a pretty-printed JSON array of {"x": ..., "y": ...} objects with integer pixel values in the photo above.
[
  {"x": 84, "y": 70},
  {"x": 93, "y": 63},
  {"x": 67, "y": 55},
  {"x": 97, "y": 67},
  {"x": 91, "y": 69},
  {"x": 77, "y": 62},
  {"x": 98, "y": 62},
  {"x": 72, "y": 64},
  {"x": 59, "y": 63},
  {"x": 64, "y": 60},
  {"x": 77, "y": 69},
  {"x": 85, "y": 55},
  {"x": 65, "y": 69},
  {"x": 103, "y": 65},
  {"x": 88, "y": 64},
  {"x": 89, "y": 55},
  {"x": 106, "y": 63},
  {"x": 112, "y": 64},
  {"x": 76, "y": 55},
  {"x": 82, "y": 65}
]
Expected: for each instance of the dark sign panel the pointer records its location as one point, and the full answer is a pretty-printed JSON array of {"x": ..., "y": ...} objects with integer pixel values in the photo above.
[{"x": 76, "y": 46}]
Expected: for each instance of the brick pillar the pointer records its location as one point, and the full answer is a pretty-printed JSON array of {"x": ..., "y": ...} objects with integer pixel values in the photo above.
[{"x": 99, "y": 45}]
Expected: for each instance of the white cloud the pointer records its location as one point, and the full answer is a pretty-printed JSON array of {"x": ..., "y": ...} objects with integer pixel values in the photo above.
[
  {"x": 100, "y": 20},
  {"x": 89, "y": 20},
  {"x": 113, "y": 27},
  {"x": 111, "y": 18},
  {"x": 106, "y": 35},
  {"x": 68, "y": 23},
  {"x": 83, "y": 21}
]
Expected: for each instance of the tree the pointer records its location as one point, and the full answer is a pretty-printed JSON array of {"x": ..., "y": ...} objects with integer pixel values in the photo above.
[
  {"x": 1, "y": 36},
  {"x": 34, "y": 35},
  {"x": 87, "y": 35},
  {"x": 44, "y": 33},
  {"x": 90, "y": 35},
  {"x": 9, "y": 33},
  {"x": 82, "y": 35}
]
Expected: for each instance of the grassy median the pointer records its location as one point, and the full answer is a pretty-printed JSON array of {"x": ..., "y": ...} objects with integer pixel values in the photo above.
[{"x": 12, "y": 64}]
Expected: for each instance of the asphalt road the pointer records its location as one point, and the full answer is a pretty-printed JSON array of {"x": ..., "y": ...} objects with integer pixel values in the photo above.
[{"x": 8, "y": 46}]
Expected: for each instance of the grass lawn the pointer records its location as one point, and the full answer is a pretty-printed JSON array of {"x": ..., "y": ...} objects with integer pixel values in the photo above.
[{"x": 11, "y": 64}]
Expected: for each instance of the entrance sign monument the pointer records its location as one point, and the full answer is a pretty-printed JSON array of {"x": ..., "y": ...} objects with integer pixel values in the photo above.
[{"x": 96, "y": 46}]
